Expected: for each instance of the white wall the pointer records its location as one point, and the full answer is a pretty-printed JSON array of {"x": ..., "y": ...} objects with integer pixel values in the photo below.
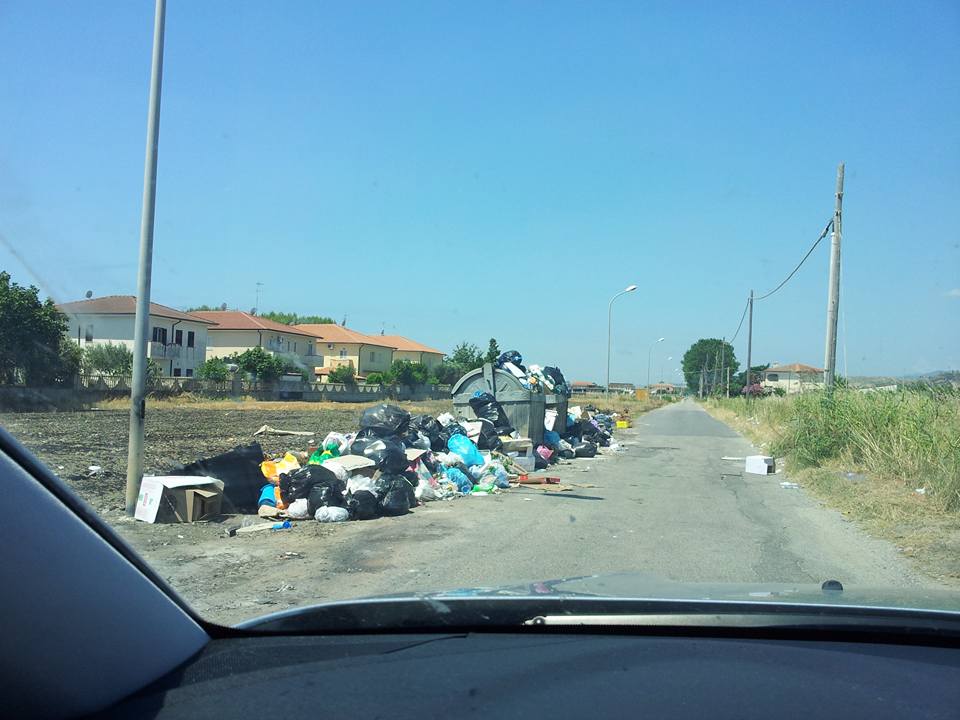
[{"x": 118, "y": 330}]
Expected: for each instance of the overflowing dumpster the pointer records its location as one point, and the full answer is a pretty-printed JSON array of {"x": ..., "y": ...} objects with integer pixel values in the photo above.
[{"x": 524, "y": 407}]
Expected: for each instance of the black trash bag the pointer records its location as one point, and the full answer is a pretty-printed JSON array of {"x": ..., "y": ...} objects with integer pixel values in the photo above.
[
  {"x": 486, "y": 407},
  {"x": 328, "y": 494},
  {"x": 388, "y": 453},
  {"x": 430, "y": 462},
  {"x": 489, "y": 437},
  {"x": 566, "y": 454},
  {"x": 412, "y": 481},
  {"x": 560, "y": 386},
  {"x": 539, "y": 463},
  {"x": 383, "y": 420},
  {"x": 511, "y": 356},
  {"x": 363, "y": 505},
  {"x": 585, "y": 450},
  {"x": 429, "y": 426},
  {"x": 239, "y": 469},
  {"x": 416, "y": 439},
  {"x": 297, "y": 484},
  {"x": 449, "y": 431},
  {"x": 394, "y": 492}
]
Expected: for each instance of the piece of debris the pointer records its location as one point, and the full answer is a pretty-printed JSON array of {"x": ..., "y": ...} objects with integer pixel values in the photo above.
[
  {"x": 789, "y": 486},
  {"x": 93, "y": 470},
  {"x": 730, "y": 457},
  {"x": 921, "y": 491},
  {"x": 267, "y": 430}
]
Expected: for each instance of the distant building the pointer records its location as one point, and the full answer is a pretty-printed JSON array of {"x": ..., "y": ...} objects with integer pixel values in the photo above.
[
  {"x": 663, "y": 389},
  {"x": 233, "y": 331},
  {"x": 177, "y": 340},
  {"x": 407, "y": 349},
  {"x": 581, "y": 386},
  {"x": 793, "y": 378},
  {"x": 336, "y": 346},
  {"x": 625, "y": 388}
]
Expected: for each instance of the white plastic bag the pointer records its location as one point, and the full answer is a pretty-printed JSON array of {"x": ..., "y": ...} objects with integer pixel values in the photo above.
[
  {"x": 337, "y": 469},
  {"x": 356, "y": 483},
  {"x": 331, "y": 514},
  {"x": 297, "y": 510},
  {"x": 449, "y": 459},
  {"x": 445, "y": 419}
]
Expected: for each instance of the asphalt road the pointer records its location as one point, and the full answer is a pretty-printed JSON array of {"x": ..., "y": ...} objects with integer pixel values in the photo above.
[{"x": 667, "y": 506}]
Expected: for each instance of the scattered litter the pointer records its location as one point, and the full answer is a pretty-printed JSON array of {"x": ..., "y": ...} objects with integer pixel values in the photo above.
[
  {"x": 731, "y": 457},
  {"x": 267, "y": 430},
  {"x": 93, "y": 470},
  {"x": 759, "y": 465},
  {"x": 789, "y": 486},
  {"x": 921, "y": 491},
  {"x": 331, "y": 514},
  {"x": 285, "y": 525}
]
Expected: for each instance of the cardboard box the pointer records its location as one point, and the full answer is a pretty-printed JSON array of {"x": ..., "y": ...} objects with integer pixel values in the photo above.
[
  {"x": 355, "y": 464},
  {"x": 171, "y": 498},
  {"x": 759, "y": 465}
]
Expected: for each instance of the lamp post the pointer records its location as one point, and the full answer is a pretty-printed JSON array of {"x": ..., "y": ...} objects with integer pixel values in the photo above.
[
  {"x": 629, "y": 288},
  {"x": 649, "y": 356}
]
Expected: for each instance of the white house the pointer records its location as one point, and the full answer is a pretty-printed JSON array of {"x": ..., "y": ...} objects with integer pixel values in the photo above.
[
  {"x": 232, "y": 331},
  {"x": 793, "y": 378},
  {"x": 178, "y": 340}
]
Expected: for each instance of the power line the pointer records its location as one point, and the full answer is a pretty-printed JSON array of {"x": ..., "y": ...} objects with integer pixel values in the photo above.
[
  {"x": 794, "y": 271},
  {"x": 742, "y": 316}
]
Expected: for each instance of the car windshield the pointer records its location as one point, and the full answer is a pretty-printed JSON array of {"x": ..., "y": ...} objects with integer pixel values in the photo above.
[{"x": 314, "y": 301}]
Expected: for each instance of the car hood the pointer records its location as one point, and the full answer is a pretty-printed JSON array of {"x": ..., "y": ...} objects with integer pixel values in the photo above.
[{"x": 639, "y": 594}]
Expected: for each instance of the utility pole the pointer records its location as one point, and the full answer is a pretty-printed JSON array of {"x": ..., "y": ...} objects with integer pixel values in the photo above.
[
  {"x": 833, "y": 290},
  {"x": 723, "y": 347},
  {"x": 138, "y": 391},
  {"x": 728, "y": 383},
  {"x": 749, "y": 336}
]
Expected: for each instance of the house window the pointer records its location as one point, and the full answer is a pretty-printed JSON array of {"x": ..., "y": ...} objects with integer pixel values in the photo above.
[
  {"x": 160, "y": 335},
  {"x": 772, "y": 377},
  {"x": 294, "y": 347},
  {"x": 373, "y": 356},
  {"x": 176, "y": 372},
  {"x": 343, "y": 352},
  {"x": 88, "y": 335},
  {"x": 191, "y": 338},
  {"x": 189, "y": 372},
  {"x": 178, "y": 337}
]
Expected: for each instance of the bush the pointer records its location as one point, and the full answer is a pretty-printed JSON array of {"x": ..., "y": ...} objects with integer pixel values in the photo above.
[
  {"x": 405, "y": 372},
  {"x": 213, "y": 369},
  {"x": 108, "y": 359},
  {"x": 261, "y": 364},
  {"x": 343, "y": 374},
  {"x": 375, "y": 378},
  {"x": 446, "y": 373}
]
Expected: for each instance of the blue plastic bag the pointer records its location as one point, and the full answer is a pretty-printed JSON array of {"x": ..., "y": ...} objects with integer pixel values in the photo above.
[
  {"x": 551, "y": 438},
  {"x": 464, "y": 447},
  {"x": 456, "y": 476}
]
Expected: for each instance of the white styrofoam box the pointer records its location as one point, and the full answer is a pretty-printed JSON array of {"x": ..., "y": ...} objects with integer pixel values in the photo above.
[{"x": 759, "y": 465}]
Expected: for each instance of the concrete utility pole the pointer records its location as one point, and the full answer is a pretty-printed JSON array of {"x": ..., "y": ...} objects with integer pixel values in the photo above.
[
  {"x": 628, "y": 289},
  {"x": 749, "y": 336},
  {"x": 728, "y": 383},
  {"x": 833, "y": 290},
  {"x": 138, "y": 392}
]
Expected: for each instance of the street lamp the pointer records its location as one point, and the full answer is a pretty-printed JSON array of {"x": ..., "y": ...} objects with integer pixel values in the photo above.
[
  {"x": 629, "y": 288},
  {"x": 649, "y": 356}
]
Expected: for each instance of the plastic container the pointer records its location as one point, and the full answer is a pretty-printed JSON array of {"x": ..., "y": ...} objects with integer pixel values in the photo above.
[{"x": 524, "y": 409}]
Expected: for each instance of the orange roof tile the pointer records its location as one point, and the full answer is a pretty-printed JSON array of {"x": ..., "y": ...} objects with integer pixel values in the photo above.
[
  {"x": 795, "y": 367},
  {"x": 238, "y": 320},
  {"x": 338, "y": 334},
  {"x": 399, "y": 342},
  {"x": 124, "y": 305}
]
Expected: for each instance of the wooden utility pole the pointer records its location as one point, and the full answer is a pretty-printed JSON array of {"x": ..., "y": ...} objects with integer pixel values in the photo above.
[
  {"x": 833, "y": 290},
  {"x": 749, "y": 336}
]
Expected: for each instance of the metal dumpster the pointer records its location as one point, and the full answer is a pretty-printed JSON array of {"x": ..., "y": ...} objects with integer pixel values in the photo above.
[
  {"x": 559, "y": 403},
  {"x": 524, "y": 408}
]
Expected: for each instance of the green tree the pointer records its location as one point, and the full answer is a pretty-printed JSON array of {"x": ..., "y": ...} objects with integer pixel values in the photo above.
[
  {"x": 213, "y": 369},
  {"x": 261, "y": 364},
  {"x": 493, "y": 351},
  {"x": 289, "y": 318},
  {"x": 467, "y": 357},
  {"x": 375, "y": 378},
  {"x": 739, "y": 381},
  {"x": 405, "y": 372},
  {"x": 201, "y": 308},
  {"x": 33, "y": 346},
  {"x": 343, "y": 374},
  {"x": 108, "y": 359},
  {"x": 446, "y": 373},
  {"x": 711, "y": 357}
]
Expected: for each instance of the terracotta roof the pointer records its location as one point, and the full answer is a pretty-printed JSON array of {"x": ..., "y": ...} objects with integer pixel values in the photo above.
[
  {"x": 237, "y": 320},
  {"x": 795, "y": 367},
  {"x": 338, "y": 334},
  {"x": 399, "y": 342},
  {"x": 124, "y": 305},
  {"x": 583, "y": 383}
]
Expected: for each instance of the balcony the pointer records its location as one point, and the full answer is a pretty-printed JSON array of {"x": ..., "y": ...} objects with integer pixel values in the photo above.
[{"x": 341, "y": 362}]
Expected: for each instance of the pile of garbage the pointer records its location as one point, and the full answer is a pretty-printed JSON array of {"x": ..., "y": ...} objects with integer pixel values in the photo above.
[
  {"x": 534, "y": 378},
  {"x": 395, "y": 461}
]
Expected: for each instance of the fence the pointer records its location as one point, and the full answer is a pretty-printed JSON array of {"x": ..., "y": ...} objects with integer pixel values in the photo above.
[{"x": 92, "y": 388}]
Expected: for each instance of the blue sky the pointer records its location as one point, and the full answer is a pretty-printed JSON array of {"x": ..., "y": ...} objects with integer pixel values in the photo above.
[{"x": 450, "y": 171}]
